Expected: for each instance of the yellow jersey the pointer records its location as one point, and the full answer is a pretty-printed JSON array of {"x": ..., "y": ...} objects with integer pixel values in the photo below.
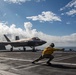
[{"x": 49, "y": 50}]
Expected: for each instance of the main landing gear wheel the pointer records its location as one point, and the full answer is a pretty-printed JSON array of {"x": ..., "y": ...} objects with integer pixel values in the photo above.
[
  {"x": 24, "y": 49},
  {"x": 33, "y": 49},
  {"x": 11, "y": 49}
]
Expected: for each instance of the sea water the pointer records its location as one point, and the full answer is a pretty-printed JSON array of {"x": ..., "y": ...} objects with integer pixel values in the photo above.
[{"x": 69, "y": 48}]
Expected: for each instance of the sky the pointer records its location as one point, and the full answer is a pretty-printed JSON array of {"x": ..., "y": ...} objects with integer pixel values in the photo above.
[{"x": 50, "y": 20}]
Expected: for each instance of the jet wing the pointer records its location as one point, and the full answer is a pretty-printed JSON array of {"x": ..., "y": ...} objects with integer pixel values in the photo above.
[{"x": 15, "y": 44}]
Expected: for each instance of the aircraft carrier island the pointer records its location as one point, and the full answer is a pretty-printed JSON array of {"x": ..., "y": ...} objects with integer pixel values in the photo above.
[{"x": 19, "y": 63}]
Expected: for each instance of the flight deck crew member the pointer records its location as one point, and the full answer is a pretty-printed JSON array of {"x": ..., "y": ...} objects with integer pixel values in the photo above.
[{"x": 47, "y": 53}]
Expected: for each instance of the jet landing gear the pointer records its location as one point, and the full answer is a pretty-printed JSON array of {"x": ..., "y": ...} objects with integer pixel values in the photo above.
[
  {"x": 11, "y": 49},
  {"x": 24, "y": 48},
  {"x": 33, "y": 49}
]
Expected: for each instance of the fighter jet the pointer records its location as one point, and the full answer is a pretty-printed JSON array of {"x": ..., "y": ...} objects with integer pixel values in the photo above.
[{"x": 29, "y": 42}]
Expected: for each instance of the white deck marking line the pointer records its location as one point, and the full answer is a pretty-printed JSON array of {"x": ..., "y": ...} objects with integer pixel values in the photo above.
[
  {"x": 26, "y": 68},
  {"x": 29, "y": 67},
  {"x": 41, "y": 61},
  {"x": 6, "y": 58},
  {"x": 22, "y": 66},
  {"x": 54, "y": 70},
  {"x": 57, "y": 59},
  {"x": 59, "y": 63},
  {"x": 32, "y": 66}
]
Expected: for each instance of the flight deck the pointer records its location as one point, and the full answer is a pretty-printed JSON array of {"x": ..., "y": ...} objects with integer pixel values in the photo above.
[{"x": 19, "y": 63}]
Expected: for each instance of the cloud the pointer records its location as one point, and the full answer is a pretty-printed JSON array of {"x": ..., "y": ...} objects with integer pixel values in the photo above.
[
  {"x": 45, "y": 16},
  {"x": 21, "y": 1},
  {"x": 16, "y": 1},
  {"x": 39, "y": 0},
  {"x": 71, "y": 12},
  {"x": 69, "y": 5},
  {"x": 68, "y": 22},
  {"x": 70, "y": 8},
  {"x": 12, "y": 31}
]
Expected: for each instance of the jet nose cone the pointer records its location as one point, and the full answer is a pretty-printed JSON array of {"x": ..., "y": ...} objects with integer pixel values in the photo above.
[{"x": 44, "y": 42}]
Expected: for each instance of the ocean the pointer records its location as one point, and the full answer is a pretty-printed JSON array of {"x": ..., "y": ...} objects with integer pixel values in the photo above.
[{"x": 69, "y": 48}]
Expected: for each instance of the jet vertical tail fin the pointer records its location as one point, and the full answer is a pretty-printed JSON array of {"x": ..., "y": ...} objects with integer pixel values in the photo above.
[{"x": 7, "y": 38}]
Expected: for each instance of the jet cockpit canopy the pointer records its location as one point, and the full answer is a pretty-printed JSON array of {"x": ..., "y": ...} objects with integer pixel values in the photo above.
[{"x": 35, "y": 38}]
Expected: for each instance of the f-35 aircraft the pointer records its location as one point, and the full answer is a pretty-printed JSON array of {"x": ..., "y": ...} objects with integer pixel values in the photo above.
[{"x": 29, "y": 42}]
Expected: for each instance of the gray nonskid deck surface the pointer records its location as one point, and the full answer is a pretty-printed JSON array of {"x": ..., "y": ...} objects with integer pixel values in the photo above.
[{"x": 19, "y": 63}]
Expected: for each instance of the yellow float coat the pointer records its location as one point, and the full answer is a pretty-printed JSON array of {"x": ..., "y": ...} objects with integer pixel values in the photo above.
[{"x": 49, "y": 50}]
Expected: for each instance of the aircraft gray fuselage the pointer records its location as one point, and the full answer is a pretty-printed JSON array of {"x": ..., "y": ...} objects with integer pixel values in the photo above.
[
  {"x": 30, "y": 42},
  {"x": 27, "y": 43}
]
